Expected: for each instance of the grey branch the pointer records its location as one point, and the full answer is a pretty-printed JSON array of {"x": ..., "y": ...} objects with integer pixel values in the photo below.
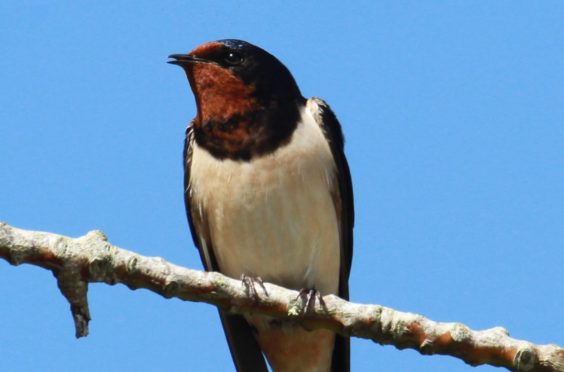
[{"x": 91, "y": 259}]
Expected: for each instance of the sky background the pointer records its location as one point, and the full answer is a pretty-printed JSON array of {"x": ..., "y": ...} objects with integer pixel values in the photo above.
[{"x": 454, "y": 118}]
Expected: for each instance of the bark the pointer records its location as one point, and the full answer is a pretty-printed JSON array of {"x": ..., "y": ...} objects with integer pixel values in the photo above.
[{"x": 91, "y": 259}]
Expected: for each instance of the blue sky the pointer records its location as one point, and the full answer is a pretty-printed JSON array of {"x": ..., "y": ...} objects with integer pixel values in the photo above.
[{"x": 454, "y": 118}]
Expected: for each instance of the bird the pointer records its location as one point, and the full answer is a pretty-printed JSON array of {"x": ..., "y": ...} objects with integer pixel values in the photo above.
[{"x": 268, "y": 196}]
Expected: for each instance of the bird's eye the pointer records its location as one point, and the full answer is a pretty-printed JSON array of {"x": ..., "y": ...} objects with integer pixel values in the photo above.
[{"x": 233, "y": 58}]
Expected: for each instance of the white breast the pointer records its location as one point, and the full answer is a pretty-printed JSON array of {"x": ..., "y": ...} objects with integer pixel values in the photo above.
[{"x": 274, "y": 216}]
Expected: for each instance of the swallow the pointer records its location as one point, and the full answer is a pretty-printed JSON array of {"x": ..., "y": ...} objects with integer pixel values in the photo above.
[{"x": 268, "y": 195}]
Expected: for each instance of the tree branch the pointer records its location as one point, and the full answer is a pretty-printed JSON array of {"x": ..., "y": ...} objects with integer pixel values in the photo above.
[{"x": 91, "y": 259}]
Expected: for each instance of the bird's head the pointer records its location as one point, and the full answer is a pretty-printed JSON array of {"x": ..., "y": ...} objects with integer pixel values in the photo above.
[
  {"x": 246, "y": 97},
  {"x": 232, "y": 76}
]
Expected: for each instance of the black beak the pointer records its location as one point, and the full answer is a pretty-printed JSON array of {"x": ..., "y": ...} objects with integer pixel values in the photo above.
[{"x": 185, "y": 59}]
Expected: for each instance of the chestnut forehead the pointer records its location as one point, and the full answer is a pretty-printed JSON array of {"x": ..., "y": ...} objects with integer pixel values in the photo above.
[{"x": 208, "y": 49}]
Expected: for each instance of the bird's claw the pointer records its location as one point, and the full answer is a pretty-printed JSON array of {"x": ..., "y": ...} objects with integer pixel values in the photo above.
[
  {"x": 250, "y": 282},
  {"x": 309, "y": 295}
]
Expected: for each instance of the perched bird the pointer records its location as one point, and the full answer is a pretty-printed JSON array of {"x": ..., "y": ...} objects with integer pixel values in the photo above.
[{"x": 268, "y": 195}]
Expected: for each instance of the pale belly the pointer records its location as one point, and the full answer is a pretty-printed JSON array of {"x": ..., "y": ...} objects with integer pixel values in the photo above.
[
  {"x": 279, "y": 227},
  {"x": 273, "y": 217}
]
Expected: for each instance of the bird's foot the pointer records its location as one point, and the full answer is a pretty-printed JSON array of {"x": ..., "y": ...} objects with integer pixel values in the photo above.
[
  {"x": 250, "y": 283},
  {"x": 309, "y": 295}
]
